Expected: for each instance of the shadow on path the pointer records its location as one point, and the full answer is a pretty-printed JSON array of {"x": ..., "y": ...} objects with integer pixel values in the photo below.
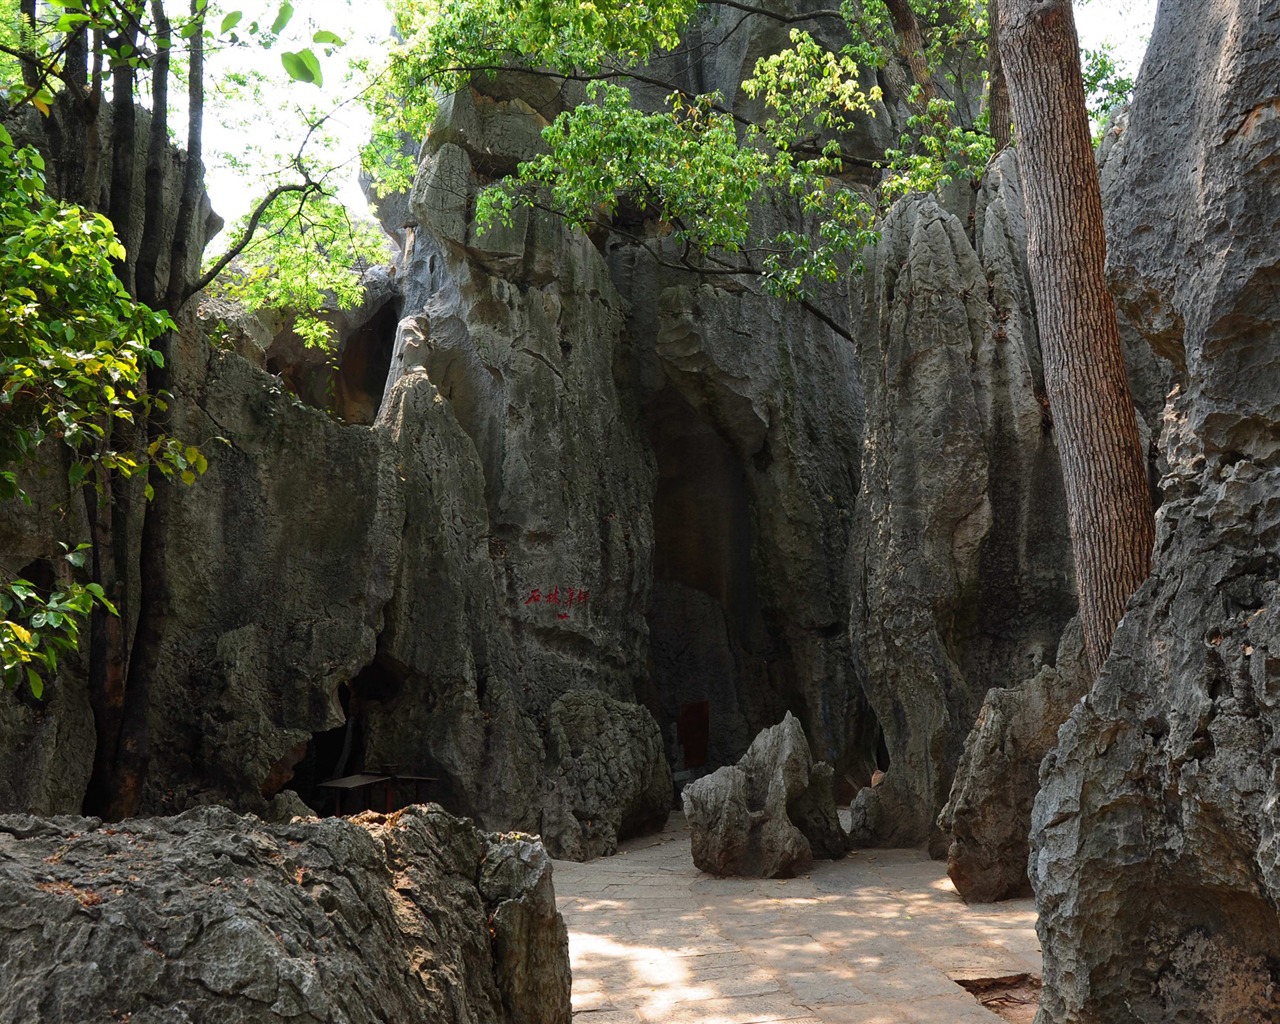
[{"x": 877, "y": 938}]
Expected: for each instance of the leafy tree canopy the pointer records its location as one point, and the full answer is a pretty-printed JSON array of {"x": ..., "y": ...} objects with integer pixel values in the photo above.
[{"x": 697, "y": 164}]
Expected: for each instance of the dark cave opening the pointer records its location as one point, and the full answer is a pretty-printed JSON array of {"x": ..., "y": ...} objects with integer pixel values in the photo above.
[
  {"x": 718, "y": 672},
  {"x": 363, "y": 362},
  {"x": 341, "y": 752},
  {"x": 347, "y": 383},
  {"x": 725, "y": 663}
]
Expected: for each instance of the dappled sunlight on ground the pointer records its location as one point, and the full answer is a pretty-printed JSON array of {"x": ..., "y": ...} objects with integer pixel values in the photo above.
[{"x": 878, "y": 938}]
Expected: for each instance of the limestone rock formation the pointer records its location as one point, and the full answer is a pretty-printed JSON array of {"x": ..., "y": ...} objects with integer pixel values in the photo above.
[
  {"x": 1156, "y": 839},
  {"x": 766, "y": 816},
  {"x": 276, "y": 580},
  {"x": 526, "y": 562},
  {"x": 988, "y": 818},
  {"x": 608, "y": 775},
  {"x": 962, "y": 565},
  {"x": 209, "y": 916},
  {"x": 753, "y": 409}
]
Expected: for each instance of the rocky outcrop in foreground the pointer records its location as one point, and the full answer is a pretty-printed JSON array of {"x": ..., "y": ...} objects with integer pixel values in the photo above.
[
  {"x": 1156, "y": 834},
  {"x": 768, "y": 815},
  {"x": 209, "y": 916}
]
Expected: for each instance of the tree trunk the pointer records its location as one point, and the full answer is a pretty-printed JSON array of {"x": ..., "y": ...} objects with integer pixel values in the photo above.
[
  {"x": 999, "y": 116},
  {"x": 132, "y": 750},
  {"x": 180, "y": 276},
  {"x": 123, "y": 133},
  {"x": 30, "y": 72},
  {"x": 149, "y": 290},
  {"x": 911, "y": 48},
  {"x": 1108, "y": 502}
]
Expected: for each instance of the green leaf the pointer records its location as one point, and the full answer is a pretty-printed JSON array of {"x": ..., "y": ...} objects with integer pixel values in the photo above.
[
  {"x": 313, "y": 65},
  {"x": 66, "y": 22},
  {"x": 230, "y": 22},
  {"x": 324, "y": 36},
  {"x": 282, "y": 19},
  {"x": 35, "y": 682},
  {"x": 296, "y": 67}
]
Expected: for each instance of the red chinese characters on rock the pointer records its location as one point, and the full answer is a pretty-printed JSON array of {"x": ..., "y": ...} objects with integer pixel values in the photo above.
[{"x": 563, "y": 600}]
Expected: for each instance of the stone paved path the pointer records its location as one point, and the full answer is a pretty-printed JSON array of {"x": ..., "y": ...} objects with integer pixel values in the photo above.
[{"x": 878, "y": 938}]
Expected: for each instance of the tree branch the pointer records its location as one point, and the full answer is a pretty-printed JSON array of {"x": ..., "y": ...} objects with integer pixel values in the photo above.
[
  {"x": 785, "y": 19},
  {"x": 247, "y": 235}
]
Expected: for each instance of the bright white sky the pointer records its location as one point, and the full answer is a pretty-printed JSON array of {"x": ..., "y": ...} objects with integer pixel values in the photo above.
[{"x": 268, "y": 137}]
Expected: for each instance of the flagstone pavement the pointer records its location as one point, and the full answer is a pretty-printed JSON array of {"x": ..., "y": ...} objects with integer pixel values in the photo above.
[{"x": 879, "y": 937}]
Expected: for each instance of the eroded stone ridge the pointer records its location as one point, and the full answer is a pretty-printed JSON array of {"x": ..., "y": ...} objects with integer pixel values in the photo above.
[
  {"x": 209, "y": 916},
  {"x": 1156, "y": 839},
  {"x": 960, "y": 553}
]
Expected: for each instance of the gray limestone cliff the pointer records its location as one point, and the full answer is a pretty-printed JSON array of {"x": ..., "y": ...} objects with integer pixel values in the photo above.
[
  {"x": 962, "y": 564},
  {"x": 1156, "y": 838}
]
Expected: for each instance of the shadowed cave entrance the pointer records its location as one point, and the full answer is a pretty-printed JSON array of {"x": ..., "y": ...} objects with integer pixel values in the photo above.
[
  {"x": 343, "y": 752},
  {"x": 719, "y": 674},
  {"x": 723, "y": 664},
  {"x": 349, "y": 382}
]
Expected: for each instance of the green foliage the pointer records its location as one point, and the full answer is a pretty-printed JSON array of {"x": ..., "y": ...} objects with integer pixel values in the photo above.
[
  {"x": 446, "y": 42},
  {"x": 1106, "y": 86},
  {"x": 73, "y": 343},
  {"x": 73, "y": 350},
  {"x": 937, "y": 150},
  {"x": 952, "y": 31},
  {"x": 38, "y": 629},
  {"x": 307, "y": 257},
  {"x": 691, "y": 166}
]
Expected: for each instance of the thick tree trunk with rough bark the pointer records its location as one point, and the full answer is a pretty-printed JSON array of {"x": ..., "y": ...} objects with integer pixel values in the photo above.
[
  {"x": 999, "y": 116},
  {"x": 1108, "y": 501}
]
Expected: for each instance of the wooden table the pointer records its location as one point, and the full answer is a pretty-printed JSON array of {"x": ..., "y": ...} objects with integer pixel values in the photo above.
[
  {"x": 367, "y": 781},
  {"x": 354, "y": 784}
]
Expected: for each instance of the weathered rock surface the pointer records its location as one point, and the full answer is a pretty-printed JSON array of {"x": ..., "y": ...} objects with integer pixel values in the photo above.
[
  {"x": 988, "y": 818},
  {"x": 528, "y": 533},
  {"x": 208, "y": 916},
  {"x": 768, "y": 815},
  {"x": 607, "y": 772},
  {"x": 753, "y": 409},
  {"x": 276, "y": 577},
  {"x": 1156, "y": 837},
  {"x": 961, "y": 560}
]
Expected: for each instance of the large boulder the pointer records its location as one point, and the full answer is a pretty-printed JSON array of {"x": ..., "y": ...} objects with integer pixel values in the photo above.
[
  {"x": 766, "y": 816},
  {"x": 988, "y": 818},
  {"x": 209, "y": 916},
  {"x": 608, "y": 775},
  {"x": 1156, "y": 835}
]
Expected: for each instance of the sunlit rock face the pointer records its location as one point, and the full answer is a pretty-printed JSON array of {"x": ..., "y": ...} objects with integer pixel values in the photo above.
[
  {"x": 1156, "y": 842},
  {"x": 961, "y": 557}
]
